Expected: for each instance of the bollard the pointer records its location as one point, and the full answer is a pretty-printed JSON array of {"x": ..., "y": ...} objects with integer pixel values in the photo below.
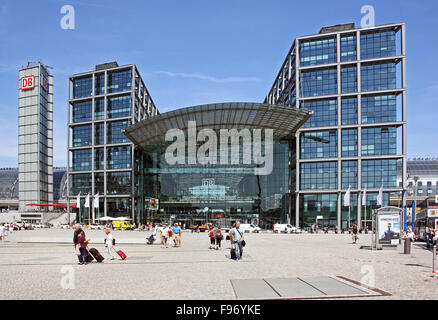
[{"x": 407, "y": 247}]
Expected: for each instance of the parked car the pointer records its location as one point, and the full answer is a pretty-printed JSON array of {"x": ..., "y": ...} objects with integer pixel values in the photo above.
[
  {"x": 96, "y": 227},
  {"x": 249, "y": 228},
  {"x": 286, "y": 228}
]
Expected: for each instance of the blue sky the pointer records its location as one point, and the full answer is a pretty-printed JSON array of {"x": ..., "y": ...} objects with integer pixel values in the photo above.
[{"x": 196, "y": 51}]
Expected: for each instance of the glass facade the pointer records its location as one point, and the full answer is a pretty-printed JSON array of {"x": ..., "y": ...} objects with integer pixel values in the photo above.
[
  {"x": 379, "y": 141},
  {"x": 377, "y": 173},
  {"x": 82, "y": 111},
  {"x": 106, "y": 162},
  {"x": 320, "y": 51},
  {"x": 99, "y": 133},
  {"x": 81, "y": 182},
  {"x": 99, "y": 109},
  {"x": 319, "y": 82},
  {"x": 81, "y": 136},
  {"x": 349, "y": 142},
  {"x": 82, "y": 87},
  {"x": 114, "y": 131},
  {"x": 325, "y": 112},
  {"x": 349, "y": 79},
  {"x": 349, "y": 174},
  {"x": 348, "y": 48},
  {"x": 319, "y": 175},
  {"x": 319, "y": 144},
  {"x": 119, "y": 81},
  {"x": 367, "y": 113},
  {"x": 377, "y": 44},
  {"x": 349, "y": 110},
  {"x": 313, "y": 205},
  {"x": 119, "y": 106},
  {"x": 99, "y": 84},
  {"x": 379, "y": 108},
  {"x": 229, "y": 191},
  {"x": 119, "y": 157},
  {"x": 81, "y": 160},
  {"x": 118, "y": 182},
  {"x": 378, "y": 76}
]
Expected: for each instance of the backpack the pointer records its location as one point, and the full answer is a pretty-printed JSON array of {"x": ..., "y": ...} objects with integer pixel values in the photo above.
[{"x": 219, "y": 234}]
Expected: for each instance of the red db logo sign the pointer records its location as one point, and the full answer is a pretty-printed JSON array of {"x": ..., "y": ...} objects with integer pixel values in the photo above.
[{"x": 27, "y": 82}]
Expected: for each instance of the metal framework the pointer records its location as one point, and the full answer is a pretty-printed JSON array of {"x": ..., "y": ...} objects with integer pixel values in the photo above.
[{"x": 286, "y": 90}]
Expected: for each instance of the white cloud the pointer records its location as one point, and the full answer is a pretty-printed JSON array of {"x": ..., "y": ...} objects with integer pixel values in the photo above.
[{"x": 205, "y": 77}]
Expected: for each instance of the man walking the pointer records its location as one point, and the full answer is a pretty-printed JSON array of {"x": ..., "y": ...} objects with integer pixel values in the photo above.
[
  {"x": 109, "y": 243},
  {"x": 237, "y": 238},
  {"x": 176, "y": 235}
]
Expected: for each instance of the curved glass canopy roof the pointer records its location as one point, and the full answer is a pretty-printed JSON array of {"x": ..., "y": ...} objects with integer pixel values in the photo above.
[{"x": 284, "y": 120}]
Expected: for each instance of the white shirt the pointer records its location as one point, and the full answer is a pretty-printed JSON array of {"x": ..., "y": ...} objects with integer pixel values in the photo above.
[
  {"x": 2, "y": 230},
  {"x": 109, "y": 239}
]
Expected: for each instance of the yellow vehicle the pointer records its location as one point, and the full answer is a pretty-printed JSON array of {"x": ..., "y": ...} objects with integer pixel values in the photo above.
[{"x": 123, "y": 225}]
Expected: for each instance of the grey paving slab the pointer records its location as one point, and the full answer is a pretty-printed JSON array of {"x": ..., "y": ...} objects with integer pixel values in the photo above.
[
  {"x": 293, "y": 288},
  {"x": 253, "y": 289},
  {"x": 332, "y": 287}
]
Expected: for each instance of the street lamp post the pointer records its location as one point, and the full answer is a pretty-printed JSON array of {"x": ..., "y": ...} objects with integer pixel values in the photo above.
[{"x": 414, "y": 207}]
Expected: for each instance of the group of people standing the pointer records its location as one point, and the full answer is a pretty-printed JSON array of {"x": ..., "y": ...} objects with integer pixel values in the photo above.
[
  {"x": 171, "y": 235},
  {"x": 216, "y": 236}
]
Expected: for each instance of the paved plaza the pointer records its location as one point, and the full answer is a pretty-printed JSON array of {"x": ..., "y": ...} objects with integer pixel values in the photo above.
[{"x": 275, "y": 266}]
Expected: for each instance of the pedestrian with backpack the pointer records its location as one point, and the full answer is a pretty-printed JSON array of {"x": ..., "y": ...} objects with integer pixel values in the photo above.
[
  {"x": 212, "y": 238},
  {"x": 218, "y": 236},
  {"x": 354, "y": 231}
]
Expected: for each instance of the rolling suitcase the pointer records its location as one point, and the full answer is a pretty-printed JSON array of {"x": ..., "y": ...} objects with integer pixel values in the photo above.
[
  {"x": 96, "y": 254},
  {"x": 89, "y": 257},
  {"x": 233, "y": 253},
  {"x": 120, "y": 253}
]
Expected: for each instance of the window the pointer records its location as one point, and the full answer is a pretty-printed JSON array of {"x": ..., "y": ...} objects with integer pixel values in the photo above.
[
  {"x": 99, "y": 183},
  {"x": 119, "y": 81},
  {"x": 380, "y": 108},
  {"x": 99, "y": 159},
  {"x": 321, "y": 51},
  {"x": 118, "y": 183},
  {"x": 119, "y": 157},
  {"x": 349, "y": 79},
  {"x": 377, "y": 44},
  {"x": 319, "y": 144},
  {"x": 99, "y": 133},
  {"x": 376, "y": 173},
  {"x": 99, "y": 83},
  {"x": 349, "y": 110},
  {"x": 81, "y": 136},
  {"x": 118, "y": 207},
  {"x": 325, "y": 112},
  {"x": 99, "y": 109},
  {"x": 319, "y": 83},
  {"x": 319, "y": 175},
  {"x": 378, "y": 76},
  {"x": 314, "y": 205},
  {"x": 115, "y": 134},
  {"x": 81, "y": 160},
  {"x": 349, "y": 142},
  {"x": 349, "y": 174},
  {"x": 379, "y": 141},
  {"x": 82, "y": 87},
  {"x": 119, "y": 106},
  {"x": 80, "y": 182},
  {"x": 82, "y": 111},
  {"x": 348, "y": 48}
]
